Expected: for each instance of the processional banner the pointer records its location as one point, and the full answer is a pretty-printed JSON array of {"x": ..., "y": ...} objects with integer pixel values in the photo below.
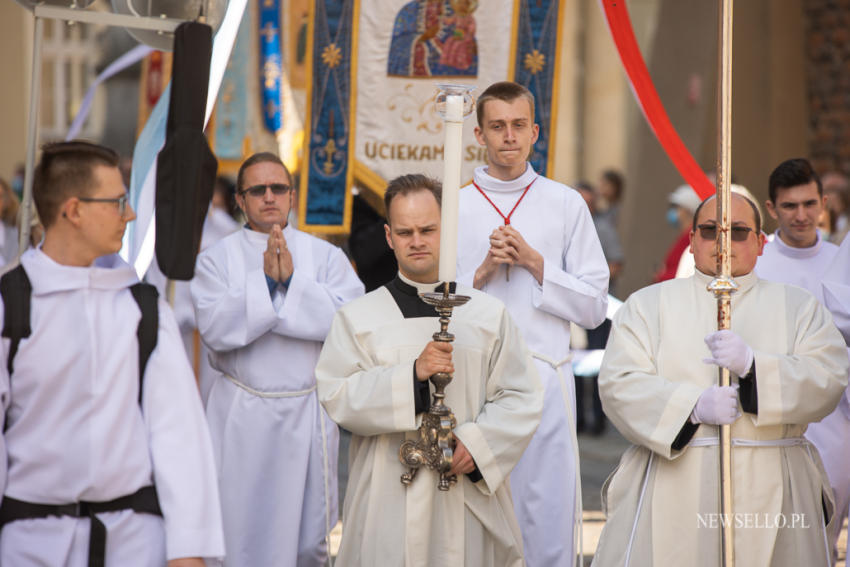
[
  {"x": 399, "y": 51},
  {"x": 406, "y": 48},
  {"x": 233, "y": 104},
  {"x": 325, "y": 200},
  {"x": 536, "y": 63}
]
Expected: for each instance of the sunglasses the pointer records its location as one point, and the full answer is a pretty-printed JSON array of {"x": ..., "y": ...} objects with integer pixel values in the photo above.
[
  {"x": 709, "y": 232},
  {"x": 120, "y": 201},
  {"x": 257, "y": 191}
]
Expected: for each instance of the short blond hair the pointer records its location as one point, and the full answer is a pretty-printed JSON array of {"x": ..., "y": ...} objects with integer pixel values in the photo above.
[{"x": 506, "y": 91}]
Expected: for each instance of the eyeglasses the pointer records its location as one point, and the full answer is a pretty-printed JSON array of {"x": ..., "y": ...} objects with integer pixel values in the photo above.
[
  {"x": 120, "y": 201},
  {"x": 739, "y": 233},
  {"x": 257, "y": 191}
]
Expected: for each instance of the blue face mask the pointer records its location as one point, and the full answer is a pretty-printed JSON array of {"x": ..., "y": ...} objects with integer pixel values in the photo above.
[{"x": 673, "y": 217}]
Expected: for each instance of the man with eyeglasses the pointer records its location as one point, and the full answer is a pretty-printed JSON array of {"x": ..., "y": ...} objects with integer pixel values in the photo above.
[
  {"x": 798, "y": 255},
  {"x": 106, "y": 456},
  {"x": 658, "y": 386},
  {"x": 264, "y": 298}
]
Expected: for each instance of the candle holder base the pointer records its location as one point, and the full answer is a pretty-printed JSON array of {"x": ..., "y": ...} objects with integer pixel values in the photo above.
[{"x": 435, "y": 446}]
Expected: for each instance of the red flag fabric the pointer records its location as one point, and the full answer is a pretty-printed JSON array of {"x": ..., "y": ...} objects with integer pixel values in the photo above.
[{"x": 617, "y": 17}]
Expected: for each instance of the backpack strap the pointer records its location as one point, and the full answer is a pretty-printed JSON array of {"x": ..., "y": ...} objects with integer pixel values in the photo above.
[
  {"x": 16, "y": 290},
  {"x": 146, "y": 297}
]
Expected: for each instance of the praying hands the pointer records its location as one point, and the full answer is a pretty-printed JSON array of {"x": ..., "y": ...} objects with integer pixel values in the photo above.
[
  {"x": 508, "y": 247},
  {"x": 277, "y": 260}
]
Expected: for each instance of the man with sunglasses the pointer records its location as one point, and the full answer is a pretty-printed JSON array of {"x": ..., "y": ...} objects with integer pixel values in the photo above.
[
  {"x": 105, "y": 457},
  {"x": 658, "y": 386},
  {"x": 265, "y": 297},
  {"x": 798, "y": 255}
]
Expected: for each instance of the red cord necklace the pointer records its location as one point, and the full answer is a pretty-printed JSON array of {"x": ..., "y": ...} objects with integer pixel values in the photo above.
[{"x": 505, "y": 218}]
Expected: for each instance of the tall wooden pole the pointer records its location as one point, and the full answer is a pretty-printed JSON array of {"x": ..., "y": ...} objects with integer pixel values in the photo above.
[{"x": 723, "y": 286}]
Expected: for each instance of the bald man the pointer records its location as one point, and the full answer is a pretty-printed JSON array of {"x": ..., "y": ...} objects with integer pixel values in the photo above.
[{"x": 658, "y": 386}]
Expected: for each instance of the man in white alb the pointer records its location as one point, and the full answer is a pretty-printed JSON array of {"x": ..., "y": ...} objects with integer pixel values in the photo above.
[
  {"x": 530, "y": 241},
  {"x": 373, "y": 380},
  {"x": 264, "y": 299},
  {"x": 105, "y": 457},
  {"x": 658, "y": 385},
  {"x": 798, "y": 255}
]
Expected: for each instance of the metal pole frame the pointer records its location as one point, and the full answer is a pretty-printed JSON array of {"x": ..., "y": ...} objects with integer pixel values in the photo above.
[
  {"x": 40, "y": 12},
  {"x": 32, "y": 137},
  {"x": 723, "y": 285}
]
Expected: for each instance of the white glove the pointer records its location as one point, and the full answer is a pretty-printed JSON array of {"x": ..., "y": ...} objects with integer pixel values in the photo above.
[
  {"x": 728, "y": 350},
  {"x": 717, "y": 405}
]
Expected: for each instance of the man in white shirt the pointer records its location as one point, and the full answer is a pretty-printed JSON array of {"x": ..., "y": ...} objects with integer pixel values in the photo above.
[
  {"x": 106, "y": 454},
  {"x": 798, "y": 255},
  {"x": 530, "y": 241},
  {"x": 264, "y": 298}
]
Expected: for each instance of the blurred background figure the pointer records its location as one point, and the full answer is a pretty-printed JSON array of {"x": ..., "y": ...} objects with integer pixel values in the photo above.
[
  {"x": 607, "y": 231},
  {"x": 836, "y": 189},
  {"x": 680, "y": 214},
  {"x": 610, "y": 194},
  {"x": 373, "y": 259},
  {"x": 9, "y": 206},
  {"x": 597, "y": 338},
  {"x": 18, "y": 181}
]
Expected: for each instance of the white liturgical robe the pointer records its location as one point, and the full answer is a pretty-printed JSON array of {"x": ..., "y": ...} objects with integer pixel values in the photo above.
[
  {"x": 75, "y": 430},
  {"x": 803, "y": 267},
  {"x": 217, "y": 224},
  {"x": 366, "y": 382},
  {"x": 555, "y": 221},
  {"x": 806, "y": 268},
  {"x": 276, "y": 449},
  {"x": 662, "y": 504}
]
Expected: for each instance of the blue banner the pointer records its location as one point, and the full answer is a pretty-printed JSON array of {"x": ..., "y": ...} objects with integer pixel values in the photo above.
[
  {"x": 536, "y": 67},
  {"x": 325, "y": 196},
  {"x": 270, "y": 63},
  {"x": 231, "y": 118}
]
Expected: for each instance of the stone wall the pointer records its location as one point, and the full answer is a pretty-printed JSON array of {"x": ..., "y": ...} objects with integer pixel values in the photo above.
[{"x": 828, "y": 82}]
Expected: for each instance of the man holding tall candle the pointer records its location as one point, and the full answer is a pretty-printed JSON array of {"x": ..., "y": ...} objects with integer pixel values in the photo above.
[
  {"x": 530, "y": 241},
  {"x": 373, "y": 380}
]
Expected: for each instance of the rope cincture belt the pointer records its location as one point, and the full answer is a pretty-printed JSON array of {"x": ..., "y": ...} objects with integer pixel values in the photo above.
[
  {"x": 740, "y": 442},
  {"x": 261, "y": 394},
  {"x": 143, "y": 501}
]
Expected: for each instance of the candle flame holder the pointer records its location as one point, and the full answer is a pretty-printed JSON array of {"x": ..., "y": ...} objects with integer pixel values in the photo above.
[
  {"x": 434, "y": 447},
  {"x": 449, "y": 89}
]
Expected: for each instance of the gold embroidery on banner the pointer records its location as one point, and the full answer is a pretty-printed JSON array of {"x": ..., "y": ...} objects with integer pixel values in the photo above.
[
  {"x": 331, "y": 55},
  {"x": 534, "y": 61},
  {"x": 271, "y": 71},
  {"x": 416, "y": 111},
  {"x": 269, "y": 32}
]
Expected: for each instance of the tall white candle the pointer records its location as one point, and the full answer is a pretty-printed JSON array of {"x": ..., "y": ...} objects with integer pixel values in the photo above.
[{"x": 451, "y": 186}]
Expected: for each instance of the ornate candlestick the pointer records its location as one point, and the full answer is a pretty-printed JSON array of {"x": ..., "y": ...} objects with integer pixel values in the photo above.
[{"x": 434, "y": 446}]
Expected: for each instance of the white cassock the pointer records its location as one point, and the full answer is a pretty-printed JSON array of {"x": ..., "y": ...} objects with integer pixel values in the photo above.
[
  {"x": 555, "y": 221},
  {"x": 662, "y": 505},
  {"x": 366, "y": 382},
  {"x": 217, "y": 224},
  {"x": 806, "y": 268},
  {"x": 75, "y": 431},
  {"x": 276, "y": 450}
]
